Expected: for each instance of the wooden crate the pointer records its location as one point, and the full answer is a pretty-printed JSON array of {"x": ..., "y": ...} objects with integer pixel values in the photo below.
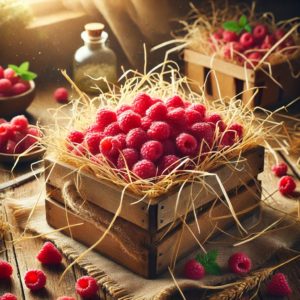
[{"x": 232, "y": 80}]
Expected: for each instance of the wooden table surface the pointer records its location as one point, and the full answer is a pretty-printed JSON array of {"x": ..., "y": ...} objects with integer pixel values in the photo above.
[{"x": 22, "y": 256}]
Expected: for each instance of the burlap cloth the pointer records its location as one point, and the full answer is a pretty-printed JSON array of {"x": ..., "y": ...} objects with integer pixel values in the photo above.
[{"x": 123, "y": 284}]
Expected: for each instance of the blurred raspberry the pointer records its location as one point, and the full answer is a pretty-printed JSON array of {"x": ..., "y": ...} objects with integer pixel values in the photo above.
[
  {"x": 187, "y": 104},
  {"x": 111, "y": 161},
  {"x": 19, "y": 123},
  {"x": 91, "y": 129},
  {"x": 92, "y": 141},
  {"x": 215, "y": 119},
  {"x": 286, "y": 185},
  {"x": 167, "y": 163},
  {"x": 144, "y": 169},
  {"x": 61, "y": 95},
  {"x": 235, "y": 131},
  {"x": 169, "y": 147},
  {"x": 193, "y": 270},
  {"x": 5, "y": 85},
  {"x": 104, "y": 117},
  {"x": 175, "y": 131},
  {"x": 224, "y": 140},
  {"x": 193, "y": 116},
  {"x": 110, "y": 146},
  {"x": 159, "y": 131},
  {"x": 146, "y": 123},
  {"x": 1, "y": 73},
  {"x": 279, "y": 285},
  {"x": 280, "y": 169},
  {"x": 2, "y": 121},
  {"x": 131, "y": 156},
  {"x": 186, "y": 144},
  {"x": 152, "y": 150},
  {"x": 202, "y": 131},
  {"x": 9, "y": 73},
  {"x": 123, "y": 107},
  {"x": 6, "y": 269},
  {"x": 136, "y": 138},
  {"x": 141, "y": 103},
  {"x": 156, "y": 100},
  {"x": 74, "y": 137},
  {"x": 8, "y": 297},
  {"x": 129, "y": 120},
  {"x": 31, "y": 138},
  {"x": 122, "y": 139},
  {"x": 12, "y": 148},
  {"x": 199, "y": 108},
  {"x": 175, "y": 101},
  {"x": 79, "y": 150},
  {"x": 6, "y": 132},
  {"x": 113, "y": 129},
  {"x": 157, "y": 112},
  {"x": 177, "y": 117},
  {"x": 19, "y": 88},
  {"x": 49, "y": 254}
]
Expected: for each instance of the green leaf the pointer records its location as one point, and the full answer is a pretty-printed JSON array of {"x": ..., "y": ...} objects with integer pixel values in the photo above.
[
  {"x": 213, "y": 268},
  {"x": 248, "y": 28},
  {"x": 212, "y": 255},
  {"x": 24, "y": 67},
  {"x": 243, "y": 20},
  {"x": 29, "y": 74},
  {"x": 231, "y": 26},
  {"x": 15, "y": 68},
  {"x": 208, "y": 262},
  {"x": 26, "y": 77}
]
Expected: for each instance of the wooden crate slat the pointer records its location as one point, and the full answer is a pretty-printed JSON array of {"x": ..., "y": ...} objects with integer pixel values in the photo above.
[
  {"x": 226, "y": 84},
  {"x": 196, "y": 73},
  {"x": 270, "y": 94}
]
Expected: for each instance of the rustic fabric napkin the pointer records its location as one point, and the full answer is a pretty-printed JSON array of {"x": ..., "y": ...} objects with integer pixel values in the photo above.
[{"x": 123, "y": 284}]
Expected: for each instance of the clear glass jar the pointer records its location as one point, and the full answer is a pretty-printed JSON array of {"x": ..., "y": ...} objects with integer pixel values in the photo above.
[{"x": 95, "y": 60}]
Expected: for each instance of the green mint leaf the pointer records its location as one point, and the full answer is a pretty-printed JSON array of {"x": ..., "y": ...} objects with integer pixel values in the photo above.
[
  {"x": 243, "y": 20},
  {"x": 213, "y": 268},
  {"x": 212, "y": 255},
  {"x": 24, "y": 67},
  {"x": 26, "y": 77},
  {"x": 15, "y": 68},
  {"x": 202, "y": 259},
  {"x": 231, "y": 26},
  {"x": 248, "y": 28},
  {"x": 30, "y": 74}
]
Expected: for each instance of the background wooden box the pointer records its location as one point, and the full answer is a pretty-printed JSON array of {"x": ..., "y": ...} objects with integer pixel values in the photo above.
[
  {"x": 232, "y": 80},
  {"x": 147, "y": 228}
]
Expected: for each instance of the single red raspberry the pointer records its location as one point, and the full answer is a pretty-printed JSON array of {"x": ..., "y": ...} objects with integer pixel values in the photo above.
[
  {"x": 122, "y": 139},
  {"x": 91, "y": 129},
  {"x": 123, "y": 107},
  {"x": 231, "y": 50},
  {"x": 247, "y": 40},
  {"x": 230, "y": 36},
  {"x": 286, "y": 185},
  {"x": 187, "y": 104},
  {"x": 186, "y": 144},
  {"x": 199, "y": 108},
  {"x": 64, "y": 298},
  {"x": 6, "y": 269},
  {"x": 141, "y": 103},
  {"x": 159, "y": 131},
  {"x": 280, "y": 169},
  {"x": 167, "y": 164},
  {"x": 279, "y": 34},
  {"x": 61, "y": 95},
  {"x": 156, "y": 100},
  {"x": 169, "y": 147},
  {"x": 104, "y": 117},
  {"x": 175, "y": 131},
  {"x": 136, "y": 138},
  {"x": 177, "y": 117},
  {"x": 193, "y": 116},
  {"x": 92, "y": 142},
  {"x": 278, "y": 285},
  {"x": 174, "y": 101},
  {"x": 146, "y": 123},
  {"x": 131, "y": 156},
  {"x": 19, "y": 123},
  {"x": 110, "y": 146},
  {"x": 35, "y": 279},
  {"x": 203, "y": 131},
  {"x": 193, "y": 270},
  {"x": 259, "y": 33},
  {"x": 254, "y": 57},
  {"x": 5, "y": 85},
  {"x": 152, "y": 150},
  {"x": 19, "y": 88},
  {"x": 157, "y": 112},
  {"x": 32, "y": 135},
  {"x": 129, "y": 120},
  {"x": 6, "y": 131},
  {"x": 235, "y": 131},
  {"x": 144, "y": 169},
  {"x": 74, "y": 137},
  {"x": 213, "y": 120},
  {"x": 9, "y": 73},
  {"x": 8, "y": 297},
  {"x": 86, "y": 287},
  {"x": 239, "y": 263},
  {"x": 49, "y": 255},
  {"x": 268, "y": 42},
  {"x": 113, "y": 129}
]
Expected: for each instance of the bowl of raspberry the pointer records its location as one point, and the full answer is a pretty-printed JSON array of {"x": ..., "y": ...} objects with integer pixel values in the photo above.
[
  {"x": 18, "y": 140},
  {"x": 17, "y": 89}
]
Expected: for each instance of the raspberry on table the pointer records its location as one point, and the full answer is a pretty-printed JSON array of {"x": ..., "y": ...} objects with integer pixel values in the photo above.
[
  {"x": 167, "y": 164},
  {"x": 144, "y": 169},
  {"x": 123, "y": 107},
  {"x": 175, "y": 131},
  {"x": 177, "y": 116},
  {"x": 193, "y": 270},
  {"x": 64, "y": 298},
  {"x": 86, "y": 286},
  {"x": 122, "y": 139},
  {"x": 186, "y": 144},
  {"x": 35, "y": 279},
  {"x": 193, "y": 116},
  {"x": 113, "y": 129},
  {"x": 104, "y": 117},
  {"x": 157, "y": 112},
  {"x": 235, "y": 131},
  {"x": 74, "y": 137},
  {"x": 199, "y": 108},
  {"x": 49, "y": 255},
  {"x": 280, "y": 169},
  {"x": 239, "y": 263},
  {"x": 175, "y": 101},
  {"x": 91, "y": 128},
  {"x": 131, "y": 157},
  {"x": 19, "y": 123},
  {"x": 286, "y": 185},
  {"x": 92, "y": 142},
  {"x": 146, "y": 123},
  {"x": 129, "y": 120},
  {"x": 5, "y": 85},
  {"x": 278, "y": 285},
  {"x": 141, "y": 103},
  {"x": 79, "y": 150},
  {"x": 152, "y": 150},
  {"x": 136, "y": 138},
  {"x": 169, "y": 147},
  {"x": 6, "y": 269},
  {"x": 110, "y": 146},
  {"x": 8, "y": 297},
  {"x": 19, "y": 88},
  {"x": 203, "y": 131},
  {"x": 159, "y": 131},
  {"x": 215, "y": 119},
  {"x": 61, "y": 95},
  {"x": 6, "y": 131}
]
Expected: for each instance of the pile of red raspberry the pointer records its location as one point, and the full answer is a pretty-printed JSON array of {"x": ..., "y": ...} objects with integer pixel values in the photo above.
[
  {"x": 15, "y": 136},
  {"x": 10, "y": 84},
  {"x": 150, "y": 136}
]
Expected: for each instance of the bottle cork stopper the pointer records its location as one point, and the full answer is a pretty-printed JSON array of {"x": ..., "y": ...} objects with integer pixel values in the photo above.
[{"x": 94, "y": 29}]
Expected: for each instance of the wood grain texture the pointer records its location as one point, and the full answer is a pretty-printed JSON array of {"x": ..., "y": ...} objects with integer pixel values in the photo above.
[
  {"x": 226, "y": 84},
  {"x": 195, "y": 73}
]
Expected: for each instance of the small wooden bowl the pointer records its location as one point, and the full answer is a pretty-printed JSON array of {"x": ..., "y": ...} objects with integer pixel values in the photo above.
[{"x": 14, "y": 104}]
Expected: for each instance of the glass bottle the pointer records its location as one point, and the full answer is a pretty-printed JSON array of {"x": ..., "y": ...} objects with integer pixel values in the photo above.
[{"x": 95, "y": 60}]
